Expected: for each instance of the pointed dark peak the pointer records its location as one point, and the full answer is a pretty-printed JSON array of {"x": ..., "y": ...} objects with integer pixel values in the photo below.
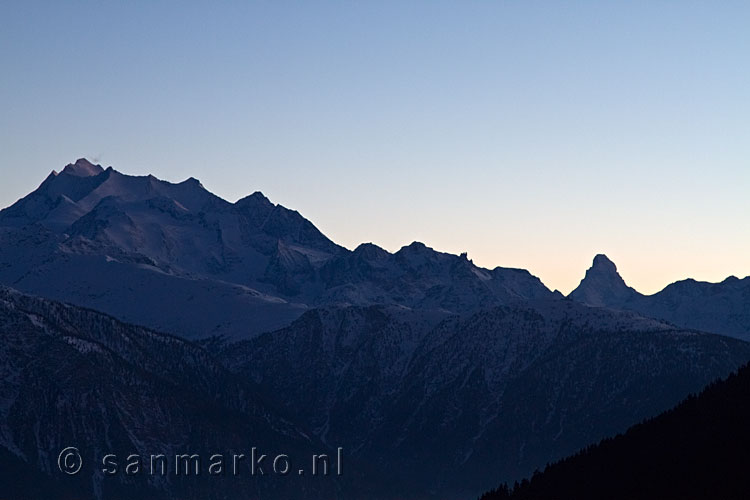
[
  {"x": 602, "y": 263},
  {"x": 259, "y": 196},
  {"x": 50, "y": 179},
  {"x": 74, "y": 182},
  {"x": 82, "y": 168},
  {"x": 193, "y": 182},
  {"x": 280, "y": 222},
  {"x": 603, "y": 286},
  {"x": 255, "y": 199},
  {"x": 256, "y": 207}
]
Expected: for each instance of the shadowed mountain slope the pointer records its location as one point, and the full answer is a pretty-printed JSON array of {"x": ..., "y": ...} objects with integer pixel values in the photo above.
[
  {"x": 74, "y": 377},
  {"x": 443, "y": 404},
  {"x": 697, "y": 450}
]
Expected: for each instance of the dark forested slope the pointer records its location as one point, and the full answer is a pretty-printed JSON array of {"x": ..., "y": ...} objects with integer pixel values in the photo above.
[{"x": 699, "y": 449}]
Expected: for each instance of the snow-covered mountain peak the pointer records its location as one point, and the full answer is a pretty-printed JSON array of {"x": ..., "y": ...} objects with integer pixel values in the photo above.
[
  {"x": 82, "y": 168},
  {"x": 101, "y": 230}
]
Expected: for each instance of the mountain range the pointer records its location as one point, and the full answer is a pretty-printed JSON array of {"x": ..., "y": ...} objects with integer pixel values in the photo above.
[
  {"x": 713, "y": 307},
  {"x": 179, "y": 259},
  {"x": 162, "y": 306}
]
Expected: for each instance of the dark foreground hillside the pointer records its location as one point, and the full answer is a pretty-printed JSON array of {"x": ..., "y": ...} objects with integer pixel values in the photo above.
[
  {"x": 72, "y": 377},
  {"x": 699, "y": 449}
]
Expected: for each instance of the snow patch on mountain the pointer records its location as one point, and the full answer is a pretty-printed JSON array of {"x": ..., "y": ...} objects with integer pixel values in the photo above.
[
  {"x": 82, "y": 168},
  {"x": 52, "y": 240}
]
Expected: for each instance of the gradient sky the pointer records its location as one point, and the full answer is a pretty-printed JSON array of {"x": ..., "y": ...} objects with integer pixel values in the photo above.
[{"x": 529, "y": 134}]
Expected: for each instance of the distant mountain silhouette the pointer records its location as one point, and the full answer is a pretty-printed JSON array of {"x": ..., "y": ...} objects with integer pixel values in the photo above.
[
  {"x": 698, "y": 450},
  {"x": 603, "y": 285},
  {"x": 148, "y": 251},
  {"x": 713, "y": 307}
]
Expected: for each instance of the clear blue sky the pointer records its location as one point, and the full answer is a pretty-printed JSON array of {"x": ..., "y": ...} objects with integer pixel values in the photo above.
[{"x": 530, "y": 134}]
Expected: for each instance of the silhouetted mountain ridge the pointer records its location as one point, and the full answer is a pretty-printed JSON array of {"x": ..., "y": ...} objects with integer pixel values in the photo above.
[
  {"x": 115, "y": 236},
  {"x": 714, "y": 307},
  {"x": 420, "y": 363}
]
